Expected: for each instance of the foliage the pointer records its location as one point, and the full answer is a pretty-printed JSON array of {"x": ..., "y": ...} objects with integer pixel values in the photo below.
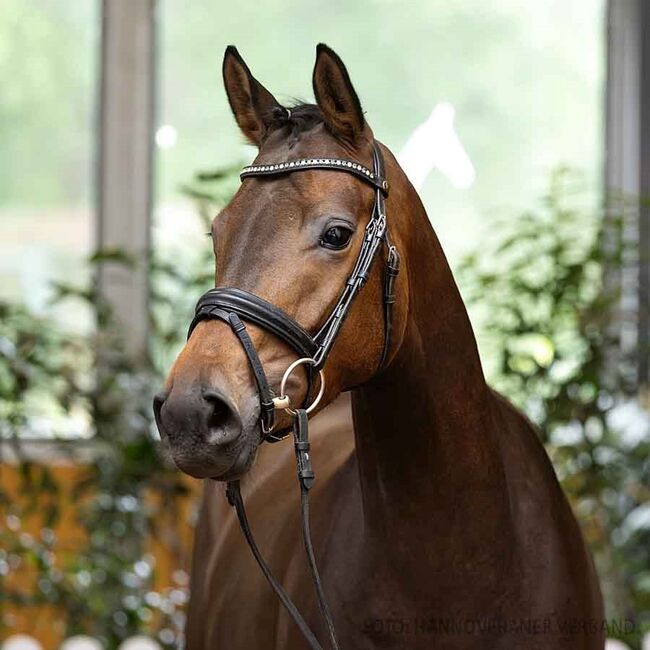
[
  {"x": 106, "y": 589},
  {"x": 180, "y": 274},
  {"x": 540, "y": 291},
  {"x": 128, "y": 493}
]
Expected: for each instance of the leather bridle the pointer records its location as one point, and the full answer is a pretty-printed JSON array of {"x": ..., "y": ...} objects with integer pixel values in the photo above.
[{"x": 236, "y": 306}]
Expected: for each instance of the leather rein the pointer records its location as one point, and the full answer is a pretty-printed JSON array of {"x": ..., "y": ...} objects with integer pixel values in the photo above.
[{"x": 236, "y": 306}]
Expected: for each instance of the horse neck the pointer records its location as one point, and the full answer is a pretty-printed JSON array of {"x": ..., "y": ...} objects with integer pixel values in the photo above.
[{"x": 426, "y": 447}]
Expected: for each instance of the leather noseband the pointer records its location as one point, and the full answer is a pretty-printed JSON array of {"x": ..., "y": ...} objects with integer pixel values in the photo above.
[{"x": 236, "y": 306}]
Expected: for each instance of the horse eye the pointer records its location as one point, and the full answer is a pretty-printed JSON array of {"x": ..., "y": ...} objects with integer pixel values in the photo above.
[{"x": 336, "y": 237}]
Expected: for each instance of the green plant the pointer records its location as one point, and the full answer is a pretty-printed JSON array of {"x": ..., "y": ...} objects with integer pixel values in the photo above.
[
  {"x": 539, "y": 291},
  {"x": 180, "y": 275},
  {"x": 106, "y": 589}
]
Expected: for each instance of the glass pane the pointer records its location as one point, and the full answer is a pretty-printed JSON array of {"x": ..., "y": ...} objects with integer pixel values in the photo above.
[
  {"x": 48, "y": 66},
  {"x": 49, "y": 71},
  {"x": 504, "y": 92}
]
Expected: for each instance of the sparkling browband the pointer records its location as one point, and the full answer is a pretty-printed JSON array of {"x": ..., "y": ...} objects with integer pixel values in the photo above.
[{"x": 316, "y": 163}]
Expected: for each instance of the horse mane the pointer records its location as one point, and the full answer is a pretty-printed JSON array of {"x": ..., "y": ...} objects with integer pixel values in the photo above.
[{"x": 297, "y": 118}]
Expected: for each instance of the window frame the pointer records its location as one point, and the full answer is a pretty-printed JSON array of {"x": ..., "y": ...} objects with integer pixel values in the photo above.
[
  {"x": 125, "y": 156},
  {"x": 627, "y": 174}
]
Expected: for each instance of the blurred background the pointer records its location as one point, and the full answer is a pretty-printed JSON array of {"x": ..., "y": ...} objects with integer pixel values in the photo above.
[{"x": 526, "y": 129}]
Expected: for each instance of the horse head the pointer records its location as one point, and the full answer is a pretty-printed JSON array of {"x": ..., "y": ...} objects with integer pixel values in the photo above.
[{"x": 293, "y": 240}]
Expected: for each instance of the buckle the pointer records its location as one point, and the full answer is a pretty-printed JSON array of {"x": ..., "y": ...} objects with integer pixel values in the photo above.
[{"x": 393, "y": 261}]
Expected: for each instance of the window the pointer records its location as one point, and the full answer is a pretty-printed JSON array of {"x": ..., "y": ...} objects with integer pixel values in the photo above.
[
  {"x": 503, "y": 92},
  {"x": 48, "y": 66}
]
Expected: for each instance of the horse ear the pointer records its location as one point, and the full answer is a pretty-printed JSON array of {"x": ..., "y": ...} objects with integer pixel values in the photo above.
[
  {"x": 336, "y": 96},
  {"x": 253, "y": 106}
]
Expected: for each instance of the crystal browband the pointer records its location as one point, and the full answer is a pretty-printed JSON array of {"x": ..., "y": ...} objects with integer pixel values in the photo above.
[{"x": 316, "y": 163}]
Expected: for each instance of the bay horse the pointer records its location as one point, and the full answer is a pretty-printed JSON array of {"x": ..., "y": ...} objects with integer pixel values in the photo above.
[{"x": 438, "y": 520}]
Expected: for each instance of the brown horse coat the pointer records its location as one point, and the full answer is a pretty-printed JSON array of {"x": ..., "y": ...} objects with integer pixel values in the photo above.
[{"x": 437, "y": 519}]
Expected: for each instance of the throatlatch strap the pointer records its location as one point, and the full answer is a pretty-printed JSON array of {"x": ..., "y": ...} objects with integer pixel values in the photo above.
[{"x": 390, "y": 274}]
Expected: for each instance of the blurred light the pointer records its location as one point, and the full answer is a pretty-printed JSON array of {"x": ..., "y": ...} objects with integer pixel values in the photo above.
[
  {"x": 130, "y": 579},
  {"x": 81, "y": 642},
  {"x": 127, "y": 503},
  {"x": 567, "y": 434},
  {"x": 152, "y": 599},
  {"x": 21, "y": 642},
  {"x": 145, "y": 614},
  {"x": 180, "y": 577},
  {"x": 139, "y": 643},
  {"x": 435, "y": 144},
  {"x": 26, "y": 540},
  {"x": 178, "y": 596},
  {"x": 131, "y": 601},
  {"x": 615, "y": 644},
  {"x": 639, "y": 518},
  {"x": 166, "y": 136},
  {"x": 631, "y": 420},
  {"x": 48, "y": 535},
  {"x": 13, "y": 522},
  {"x": 83, "y": 578},
  {"x": 142, "y": 568}
]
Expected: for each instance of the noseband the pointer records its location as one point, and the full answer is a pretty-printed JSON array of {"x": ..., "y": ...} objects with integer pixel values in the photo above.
[{"x": 236, "y": 306}]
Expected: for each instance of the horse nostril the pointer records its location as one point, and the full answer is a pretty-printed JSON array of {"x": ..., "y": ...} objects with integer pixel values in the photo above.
[
  {"x": 158, "y": 401},
  {"x": 223, "y": 421}
]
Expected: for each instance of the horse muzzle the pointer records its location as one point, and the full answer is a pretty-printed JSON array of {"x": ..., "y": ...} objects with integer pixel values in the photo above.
[{"x": 205, "y": 432}]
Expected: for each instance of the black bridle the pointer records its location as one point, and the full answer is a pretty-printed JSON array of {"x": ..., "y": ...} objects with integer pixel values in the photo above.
[{"x": 236, "y": 306}]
